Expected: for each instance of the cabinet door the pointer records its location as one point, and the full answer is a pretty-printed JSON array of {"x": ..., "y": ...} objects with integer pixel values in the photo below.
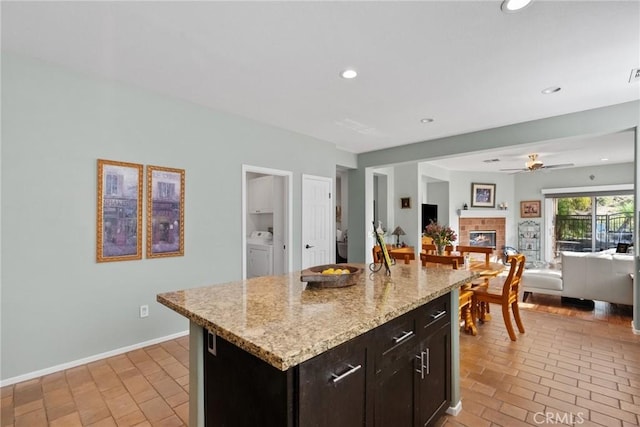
[
  {"x": 241, "y": 390},
  {"x": 394, "y": 391},
  {"x": 260, "y": 195},
  {"x": 433, "y": 388},
  {"x": 395, "y": 372},
  {"x": 332, "y": 387}
]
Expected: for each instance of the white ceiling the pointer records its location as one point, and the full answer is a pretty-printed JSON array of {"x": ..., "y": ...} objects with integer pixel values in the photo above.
[
  {"x": 465, "y": 64},
  {"x": 596, "y": 150}
]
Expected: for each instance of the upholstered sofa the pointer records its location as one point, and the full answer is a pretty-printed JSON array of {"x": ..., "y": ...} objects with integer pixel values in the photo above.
[{"x": 592, "y": 276}]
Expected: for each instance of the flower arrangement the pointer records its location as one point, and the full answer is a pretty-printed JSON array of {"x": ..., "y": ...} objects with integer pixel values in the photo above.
[{"x": 441, "y": 235}]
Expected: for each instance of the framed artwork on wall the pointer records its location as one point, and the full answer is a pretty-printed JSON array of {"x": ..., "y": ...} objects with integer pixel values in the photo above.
[
  {"x": 483, "y": 195},
  {"x": 405, "y": 202},
  {"x": 530, "y": 209},
  {"x": 119, "y": 213},
  {"x": 165, "y": 212}
]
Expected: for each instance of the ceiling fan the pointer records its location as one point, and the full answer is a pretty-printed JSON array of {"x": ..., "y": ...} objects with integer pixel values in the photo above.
[{"x": 533, "y": 164}]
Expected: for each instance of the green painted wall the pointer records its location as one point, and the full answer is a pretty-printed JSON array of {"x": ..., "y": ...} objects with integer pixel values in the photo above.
[{"x": 58, "y": 304}]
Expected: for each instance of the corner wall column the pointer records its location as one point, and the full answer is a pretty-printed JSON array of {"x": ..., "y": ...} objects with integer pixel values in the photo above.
[
  {"x": 636, "y": 238},
  {"x": 455, "y": 405}
]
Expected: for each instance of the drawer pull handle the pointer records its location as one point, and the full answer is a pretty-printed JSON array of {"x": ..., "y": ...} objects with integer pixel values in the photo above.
[
  {"x": 352, "y": 369},
  {"x": 438, "y": 315},
  {"x": 423, "y": 360},
  {"x": 420, "y": 369},
  {"x": 426, "y": 365},
  {"x": 405, "y": 335}
]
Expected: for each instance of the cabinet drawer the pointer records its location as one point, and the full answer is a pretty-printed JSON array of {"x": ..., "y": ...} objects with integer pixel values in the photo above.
[
  {"x": 392, "y": 339},
  {"x": 435, "y": 313}
]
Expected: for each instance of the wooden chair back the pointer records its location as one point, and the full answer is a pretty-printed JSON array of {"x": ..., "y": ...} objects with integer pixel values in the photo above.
[
  {"x": 377, "y": 254},
  {"x": 511, "y": 287},
  {"x": 507, "y": 297},
  {"x": 432, "y": 249},
  {"x": 454, "y": 261},
  {"x": 476, "y": 249}
]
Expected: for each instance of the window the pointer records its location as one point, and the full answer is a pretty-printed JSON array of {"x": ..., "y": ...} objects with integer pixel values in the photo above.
[{"x": 592, "y": 223}]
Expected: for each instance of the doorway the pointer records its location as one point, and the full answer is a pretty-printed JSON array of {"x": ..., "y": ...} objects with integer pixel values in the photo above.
[{"x": 268, "y": 211}]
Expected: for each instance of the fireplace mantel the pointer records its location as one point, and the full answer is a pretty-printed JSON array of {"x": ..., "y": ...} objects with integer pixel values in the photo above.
[{"x": 483, "y": 213}]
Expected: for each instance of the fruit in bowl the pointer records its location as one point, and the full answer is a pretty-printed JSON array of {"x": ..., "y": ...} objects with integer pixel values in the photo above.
[
  {"x": 336, "y": 271},
  {"x": 331, "y": 275}
]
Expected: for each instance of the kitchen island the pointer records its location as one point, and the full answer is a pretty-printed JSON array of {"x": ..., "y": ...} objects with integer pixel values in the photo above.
[{"x": 275, "y": 351}]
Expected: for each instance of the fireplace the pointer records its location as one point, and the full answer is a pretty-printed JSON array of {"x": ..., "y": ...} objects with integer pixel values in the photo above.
[
  {"x": 486, "y": 238},
  {"x": 480, "y": 224}
]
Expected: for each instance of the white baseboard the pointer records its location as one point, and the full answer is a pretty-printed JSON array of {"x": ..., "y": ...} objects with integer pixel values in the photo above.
[
  {"x": 83, "y": 361},
  {"x": 455, "y": 410}
]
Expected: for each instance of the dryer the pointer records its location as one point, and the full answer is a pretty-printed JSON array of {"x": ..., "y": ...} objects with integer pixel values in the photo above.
[{"x": 259, "y": 254}]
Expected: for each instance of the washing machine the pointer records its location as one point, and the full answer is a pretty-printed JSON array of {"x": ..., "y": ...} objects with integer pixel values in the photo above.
[{"x": 259, "y": 254}]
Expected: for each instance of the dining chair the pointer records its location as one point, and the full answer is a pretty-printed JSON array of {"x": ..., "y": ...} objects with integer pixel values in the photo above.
[
  {"x": 476, "y": 249},
  {"x": 454, "y": 260},
  {"x": 430, "y": 248},
  {"x": 502, "y": 290},
  {"x": 465, "y": 300},
  {"x": 377, "y": 253}
]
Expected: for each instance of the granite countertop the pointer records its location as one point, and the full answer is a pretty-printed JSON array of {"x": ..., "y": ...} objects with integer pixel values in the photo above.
[{"x": 284, "y": 322}]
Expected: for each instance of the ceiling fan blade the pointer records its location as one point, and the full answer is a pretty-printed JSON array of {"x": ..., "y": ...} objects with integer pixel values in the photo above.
[{"x": 560, "y": 165}]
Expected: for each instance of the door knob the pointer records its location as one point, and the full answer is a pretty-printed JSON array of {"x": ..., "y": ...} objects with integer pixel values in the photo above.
[{"x": 307, "y": 246}]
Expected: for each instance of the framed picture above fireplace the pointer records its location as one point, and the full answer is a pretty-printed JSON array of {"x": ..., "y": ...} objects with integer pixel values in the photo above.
[{"x": 483, "y": 195}]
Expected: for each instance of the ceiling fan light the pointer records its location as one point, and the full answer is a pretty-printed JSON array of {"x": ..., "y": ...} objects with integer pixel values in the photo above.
[{"x": 533, "y": 163}]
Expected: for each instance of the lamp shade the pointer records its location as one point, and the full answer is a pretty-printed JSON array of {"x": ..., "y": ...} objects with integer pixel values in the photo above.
[{"x": 398, "y": 231}]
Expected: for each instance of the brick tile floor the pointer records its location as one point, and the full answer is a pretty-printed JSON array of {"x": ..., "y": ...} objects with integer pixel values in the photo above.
[
  {"x": 145, "y": 387},
  {"x": 572, "y": 366}
]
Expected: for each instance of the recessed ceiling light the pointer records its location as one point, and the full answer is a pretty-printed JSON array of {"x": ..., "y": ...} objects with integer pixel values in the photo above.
[
  {"x": 426, "y": 120},
  {"x": 552, "y": 89},
  {"x": 510, "y": 6},
  {"x": 605, "y": 160},
  {"x": 349, "y": 74}
]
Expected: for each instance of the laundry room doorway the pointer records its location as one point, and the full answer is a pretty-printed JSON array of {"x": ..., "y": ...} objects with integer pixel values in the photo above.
[{"x": 266, "y": 221}]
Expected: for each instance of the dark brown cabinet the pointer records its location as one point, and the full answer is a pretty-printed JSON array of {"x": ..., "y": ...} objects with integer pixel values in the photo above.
[
  {"x": 398, "y": 374},
  {"x": 395, "y": 344},
  {"x": 413, "y": 376},
  {"x": 433, "y": 387},
  {"x": 332, "y": 387},
  {"x": 394, "y": 391}
]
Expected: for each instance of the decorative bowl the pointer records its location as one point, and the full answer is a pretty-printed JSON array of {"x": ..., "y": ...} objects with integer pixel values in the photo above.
[{"x": 314, "y": 277}]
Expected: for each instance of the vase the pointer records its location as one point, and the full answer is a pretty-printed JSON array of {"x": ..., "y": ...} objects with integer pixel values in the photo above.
[{"x": 440, "y": 249}]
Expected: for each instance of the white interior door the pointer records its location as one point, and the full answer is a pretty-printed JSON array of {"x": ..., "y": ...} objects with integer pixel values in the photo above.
[{"x": 317, "y": 221}]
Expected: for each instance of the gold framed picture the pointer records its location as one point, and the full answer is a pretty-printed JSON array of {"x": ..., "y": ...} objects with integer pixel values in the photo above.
[
  {"x": 119, "y": 212},
  {"x": 165, "y": 212}
]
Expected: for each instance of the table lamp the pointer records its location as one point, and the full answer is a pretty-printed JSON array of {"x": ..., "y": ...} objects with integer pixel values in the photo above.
[{"x": 398, "y": 232}]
